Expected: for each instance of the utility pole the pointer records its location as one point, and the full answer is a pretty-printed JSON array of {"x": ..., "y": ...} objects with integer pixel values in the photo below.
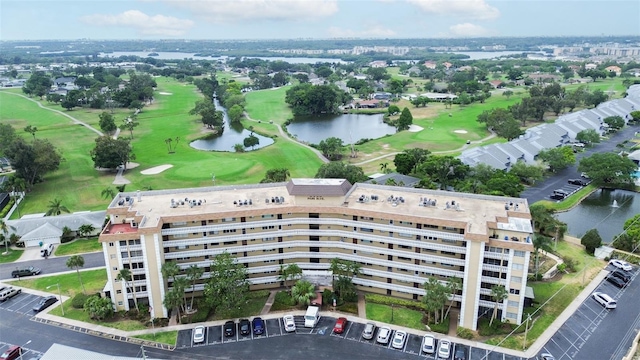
[
  {"x": 526, "y": 330},
  {"x": 144, "y": 355}
]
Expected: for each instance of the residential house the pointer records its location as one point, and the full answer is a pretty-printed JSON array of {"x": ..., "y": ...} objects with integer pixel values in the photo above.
[
  {"x": 36, "y": 229},
  {"x": 614, "y": 69}
]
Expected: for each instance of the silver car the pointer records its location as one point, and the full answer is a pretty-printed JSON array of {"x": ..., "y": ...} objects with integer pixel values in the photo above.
[
  {"x": 368, "y": 331},
  {"x": 444, "y": 349},
  {"x": 289, "y": 323},
  {"x": 198, "y": 334},
  {"x": 384, "y": 335}
]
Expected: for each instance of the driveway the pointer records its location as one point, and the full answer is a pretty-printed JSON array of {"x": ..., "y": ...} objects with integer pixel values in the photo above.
[{"x": 53, "y": 265}]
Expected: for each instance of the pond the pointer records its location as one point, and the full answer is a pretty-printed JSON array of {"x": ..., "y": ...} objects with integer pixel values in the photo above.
[
  {"x": 348, "y": 127},
  {"x": 232, "y": 134},
  {"x": 605, "y": 210}
]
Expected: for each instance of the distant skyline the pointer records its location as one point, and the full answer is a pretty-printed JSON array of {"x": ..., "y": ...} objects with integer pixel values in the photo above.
[{"x": 316, "y": 19}]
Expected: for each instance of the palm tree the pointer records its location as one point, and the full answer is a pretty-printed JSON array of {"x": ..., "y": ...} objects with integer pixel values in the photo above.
[
  {"x": 86, "y": 229},
  {"x": 77, "y": 261},
  {"x": 303, "y": 291},
  {"x": 125, "y": 276},
  {"x": 194, "y": 273},
  {"x": 540, "y": 242},
  {"x": 499, "y": 294},
  {"x": 56, "y": 208},
  {"x": 289, "y": 272},
  {"x": 108, "y": 193},
  {"x": 454, "y": 286},
  {"x": 168, "y": 141},
  {"x": 4, "y": 228}
]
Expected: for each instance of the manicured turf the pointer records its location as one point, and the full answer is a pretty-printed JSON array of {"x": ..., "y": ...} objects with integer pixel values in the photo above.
[
  {"x": 78, "y": 246},
  {"x": 165, "y": 337},
  {"x": 401, "y": 316},
  {"x": 81, "y": 315},
  {"x": 93, "y": 281},
  {"x": 11, "y": 256}
]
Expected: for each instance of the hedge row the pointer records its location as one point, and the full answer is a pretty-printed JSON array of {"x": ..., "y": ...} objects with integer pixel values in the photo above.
[
  {"x": 386, "y": 300},
  {"x": 6, "y": 209}
]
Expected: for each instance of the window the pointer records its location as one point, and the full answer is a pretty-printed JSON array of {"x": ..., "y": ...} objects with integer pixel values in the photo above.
[
  {"x": 514, "y": 291},
  {"x": 449, "y": 241},
  {"x": 268, "y": 239},
  {"x": 405, "y": 235},
  {"x": 269, "y": 250},
  {"x": 141, "y": 288},
  {"x": 270, "y": 227},
  {"x": 230, "y": 242},
  {"x": 366, "y": 218},
  {"x": 405, "y": 222},
  {"x": 516, "y": 279},
  {"x": 229, "y": 219},
  {"x": 362, "y": 241},
  {"x": 118, "y": 291},
  {"x": 512, "y": 316},
  {"x": 124, "y": 254},
  {"x": 405, "y": 247},
  {"x": 518, "y": 253},
  {"x": 123, "y": 242},
  {"x": 115, "y": 268},
  {"x": 215, "y": 232},
  {"x": 518, "y": 266},
  {"x": 227, "y": 231},
  {"x": 139, "y": 277},
  {"x": 113, "y": 256},
  {"x": 111, "y": 244},
  {"x": 491, "y": 261},
  {"x": 134, "y": 242},
  {"x": 512, "y": 303},
  {"x": 366, "y": 230},
  {"x": 119, "y": 303},
  {"x": 404, "y": 258},
  {"x": 136, "y": 253},
  {"x": 427, "y": 226},
  {"x": 267, "y": 216}
]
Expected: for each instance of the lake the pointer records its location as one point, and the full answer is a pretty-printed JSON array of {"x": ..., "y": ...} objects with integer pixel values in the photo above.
[
  {"x": 232, "y": 134},
  {"x": 605, "y": 210},
  {"x": 348, "y": 127}
]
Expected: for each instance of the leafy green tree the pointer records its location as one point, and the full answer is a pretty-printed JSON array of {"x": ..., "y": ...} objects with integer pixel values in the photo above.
[
  {"x": 307, "y": 99},
  {"x": 557, "y": 158},
  {"x": 596, "y": 98},
  {"x": 107, "y": 122},
  {"x": 454, "y": 285},
  {"x": 289, "y": 272},
  {"x": 239, "y": 148},
  {"x": 635, "y": 115},
  {"x": 31, "y": 130},
  {"x": 377, "y": 73},
  {"x": 393, "y": 109},
  {"x": 276, "y": 175},
  {"x": 210, "y": 117},
  {"x": 503, "y": 183},
  {"x": 435, "y": 297},
  {"x": 108, "y": 193},
  {"x": 194, "y": 273},
  {"x": 4, "y": 228},
  {"x": 507, "y": 94},
  {"x": 502, "y": 122},
  {"x": 251, "y": 141},
  {"x": 343, "y": 273},
  {"x": 605, "y": 168},
  {"x": 331, "y": 148},
  {"x": 130, "y": 123},
  {"x": 407, "y": 162},
  {"x": 405, "y": 120},
  {"x": 588, "y": 137},
  {"x": 7, "y": 136},
  {"x": 126, "y": 277},
  {"x": 614, "y": 122},
  {"x": 444, "y": 170},
  {"x": 235, "y": 113},
  {"x": 540, "y": 242},
  {"x": 499, "y": 294},
  {"x": 591, "y": 241},
  {"x": 173, "y": 300},
  {"x": 76, "y": 262},
  {"x": 545, "y": 222},
  {"x": 38, "y": 84},
  {"x": 32, "y": 161},
  {"x": 86, "y": 229},
  {"x": 110, "y": 153},
  {"x": 99, "y": 308},
  {"x": 56, "y": 208},
  {"x": 341, "y": 170},
  {"x": 527, "y": 174},
  {"x": 227, "y": 288},
  {"x": 302, "y": 292}
]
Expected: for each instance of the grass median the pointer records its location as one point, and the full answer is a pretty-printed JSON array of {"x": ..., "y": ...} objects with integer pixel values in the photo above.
[
  {"x": 10, "y": 256},
  {"x": 165, "y": 337},
  {"x": 78, "y": 246}
]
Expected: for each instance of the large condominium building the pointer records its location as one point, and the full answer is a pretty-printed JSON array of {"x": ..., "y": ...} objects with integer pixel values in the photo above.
[{"x": 400, "y": 236}]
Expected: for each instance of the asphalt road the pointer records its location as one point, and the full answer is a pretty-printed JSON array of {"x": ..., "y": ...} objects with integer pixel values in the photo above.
[
  {"x": 53, "y": 265},
  {"x": 544, "y": 188}
]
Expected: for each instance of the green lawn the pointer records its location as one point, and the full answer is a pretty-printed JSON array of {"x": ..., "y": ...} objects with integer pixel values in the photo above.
[
  {"x": 117, "y": 322},
  {"x": 401, "y": 316},
  {"x": 78, "y": 246},
  {"x": 93, "y": 281},
  {"x": 165, "y": 337},
  {"x": 251, "y": 308},
  {"x": 11, "y": 256}
]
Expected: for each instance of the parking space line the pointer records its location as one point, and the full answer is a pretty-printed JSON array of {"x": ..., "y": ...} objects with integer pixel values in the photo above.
[{"x": 29, "y": 302}]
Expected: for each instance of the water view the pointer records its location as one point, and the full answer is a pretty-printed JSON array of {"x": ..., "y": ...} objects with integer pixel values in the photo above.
[
  {"x": 605, "y": 210},
  {"x": 232, "y": 134},
  {"x": 348, "y": 127}
]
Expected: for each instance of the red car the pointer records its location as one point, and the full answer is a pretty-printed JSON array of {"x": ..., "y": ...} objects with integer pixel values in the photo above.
[
  {"x": 341, "y": 323},
  {"x": 12, "y": 353}
]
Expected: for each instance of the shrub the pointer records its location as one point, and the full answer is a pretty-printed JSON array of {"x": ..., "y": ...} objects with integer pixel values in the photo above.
[
  {"x": 258, "y": 294},
  {"x": 465, "y": 333},
  {"x": 283, "y": 301},
  {"x": 203, "y": 312},
  {"x": 387, "y": 300},
  {"x": 350, "y": 307},
  {"x": 570, "y": 264},
  {"x": 591, "y": 240},
  {"x": 78, "y": 301},
  {"x": 442, "y": 328},
  {"x": 8, "y": 207},
  {"x": 327, "y": 297},
  {"x": 562, "y": 267}
]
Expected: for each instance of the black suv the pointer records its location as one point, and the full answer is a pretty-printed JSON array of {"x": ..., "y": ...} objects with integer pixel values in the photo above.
[
  {"x": 622, "y": 275},
  {"x": 27, "y": 271},
  {"x": 616, "y": 281},
  {"x": 580, "y": 182},
  {"x": 229, "y": 328}
]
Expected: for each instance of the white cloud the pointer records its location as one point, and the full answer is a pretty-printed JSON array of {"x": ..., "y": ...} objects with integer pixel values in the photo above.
[
  {"x": 370, "y": 32},
  {"x": 146, "y": 25},
  {"x": 476, "y": 9},
  {"x": 227, "y": 11},
  {"x": 468, "y": 30}
]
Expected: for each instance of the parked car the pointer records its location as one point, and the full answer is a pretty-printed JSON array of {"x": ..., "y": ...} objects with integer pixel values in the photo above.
[
  {"x": 622, "y": 275},
  {"x": 8, "y": 293},
  {"x": 604, "y": 300},
  {"x": 460, "y": 353},
  {"x": 621, "y": 264},
  {"x": 245, "y": 327},
  {"x": 198, "y": 334},
  {"x": 444, "y": 349},
  {"x": 398, "y": 339},
  {"x": 384, "y": 335},
  {"x": 229, "y": 328},
  {"x": 13, "y": 352},
  {"x": 546, "y": 356},
  {"x": 289, "y": 323},
  {"x": 368, "y": 331},
  {"x": 45, "y": 303},
  {"x": 258, "y": 325},
  {"x": 428, "y": 344},
  {"x": 617, "y": 282},
  {"x": 580, "y": 182},
  {"x": 340, "y": 325},
  {"x": 25, "y": 271}
]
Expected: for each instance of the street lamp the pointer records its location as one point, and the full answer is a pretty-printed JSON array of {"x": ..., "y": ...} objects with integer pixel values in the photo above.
[
  {"x": 20, "y": 349},
  {"x": 59, "y": 293}
]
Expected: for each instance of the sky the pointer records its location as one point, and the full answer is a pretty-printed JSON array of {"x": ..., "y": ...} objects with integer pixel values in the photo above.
[{"x": 313, "y": 19}]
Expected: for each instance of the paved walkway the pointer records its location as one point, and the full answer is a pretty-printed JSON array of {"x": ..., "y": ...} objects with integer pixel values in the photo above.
[
  {"x": 362, "y": 306},
  {"x": 269, "y": 303}
]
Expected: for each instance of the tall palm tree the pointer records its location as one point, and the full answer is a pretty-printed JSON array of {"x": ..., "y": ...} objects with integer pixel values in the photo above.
[
  {"x": 289, "y": 272},
  {"x": 4, "y": 228},
  {"x": 86, "y": 229},
  {"x": 125, "y": 276},
  {"x": 77, "y": 261},
  {"x": 303, "y": 291},
  {"x": 108, "y": 193},
  {"x": 540, "y": 242},
  {"x": 56, "y": 208},
  {"x": 194, "y": 273},
  {"x": 499, "y": 294},
  {"x": 454, "y": 286}
]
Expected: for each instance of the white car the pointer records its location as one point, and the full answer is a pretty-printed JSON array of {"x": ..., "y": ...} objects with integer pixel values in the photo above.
[
  {"x": 198, "y": 334},
  {"x": 444, "y": 349},
  {"x": 289, "y": 324},
  {"x": 398, "y": 339},
  {"x": 384, "y": 335},
  {"x": 428, "y": 344},
  {"x": 621, "y": 264}
]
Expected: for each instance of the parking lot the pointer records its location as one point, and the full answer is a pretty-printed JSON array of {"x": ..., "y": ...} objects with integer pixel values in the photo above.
[
  {"x": 27, "y": 353},
  {"x": 568, "y": 189},
  {"x": 22, "y": 303},
  {"x": 353, "y": 332},
  {"x": 594, "y": 332}
]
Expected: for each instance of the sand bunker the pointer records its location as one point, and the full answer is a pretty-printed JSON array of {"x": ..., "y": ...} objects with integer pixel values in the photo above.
[
  {"x": 460, "y": 131},
  {"x": 156, "y": 170},
  {"x": 415, "y": 128},
  {"x": 164, "y": 93}
]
